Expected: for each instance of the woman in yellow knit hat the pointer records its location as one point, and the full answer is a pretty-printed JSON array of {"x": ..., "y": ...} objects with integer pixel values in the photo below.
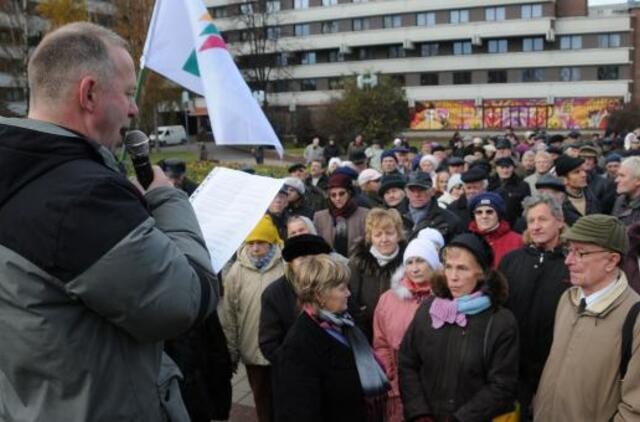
[{"x": 259, "y": 263}]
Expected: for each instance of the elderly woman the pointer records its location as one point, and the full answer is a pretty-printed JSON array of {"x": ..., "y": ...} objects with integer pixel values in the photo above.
[
  {"x": 326, "y": 370},
  {"x": 429, "y": 164},
  {"x": 488, "y": 210},
  {"x": 458, "y": 360},
  {"x": 373, "y": 262},
  {"x": 259, "y": 263},
  {"x": 410, "y": 286},
  {"x": 342, "y": 225},
  {"x": 453, "y": 191}
]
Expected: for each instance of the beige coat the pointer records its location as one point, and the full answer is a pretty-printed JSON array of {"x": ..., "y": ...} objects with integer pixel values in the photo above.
[
  {"x": 355, "y": 226},
  {"x": 240, "y": 318},
  {"x": 580, "y": 381}
]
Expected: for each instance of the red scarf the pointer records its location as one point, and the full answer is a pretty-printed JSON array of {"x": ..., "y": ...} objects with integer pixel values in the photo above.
[
  {"x": 420, "y": 291},
  {"x": 345, "y": 212}
]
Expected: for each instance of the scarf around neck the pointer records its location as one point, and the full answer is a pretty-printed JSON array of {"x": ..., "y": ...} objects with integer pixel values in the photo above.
[
  {"x": 383, "y": 259},
  {"x": 345, "y": 212},
  {"x": 419, "y": 291},
  {"x": 261, "y": 263},
  {"x": 455, "y": 311}
]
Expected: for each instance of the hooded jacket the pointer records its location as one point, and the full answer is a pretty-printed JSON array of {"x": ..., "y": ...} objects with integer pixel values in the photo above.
[
  {"x": 581, "y": 380},
  {"x": 94, "y": 277}
]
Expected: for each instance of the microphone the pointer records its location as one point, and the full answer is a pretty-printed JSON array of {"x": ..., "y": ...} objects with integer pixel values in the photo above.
[{"x": 137, "y": 145}]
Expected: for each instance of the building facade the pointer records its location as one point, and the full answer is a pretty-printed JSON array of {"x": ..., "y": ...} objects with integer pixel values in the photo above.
[{"x": 465, "y": 64}]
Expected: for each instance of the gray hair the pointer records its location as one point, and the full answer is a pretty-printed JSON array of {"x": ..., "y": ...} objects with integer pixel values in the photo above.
[
  {"x": 633, "y": 164},
  {"x": 306, "y": 220},
  {"x": 550, "y": 201},
  {"x": 68, "y": 54},
  {"x": 528, "y": 153}
]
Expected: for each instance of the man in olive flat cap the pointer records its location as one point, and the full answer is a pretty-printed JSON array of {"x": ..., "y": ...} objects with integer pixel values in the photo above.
[{"x": 583, "y": 379}]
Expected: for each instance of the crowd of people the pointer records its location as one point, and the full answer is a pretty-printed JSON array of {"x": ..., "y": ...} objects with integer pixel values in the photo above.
[
  {"x": 482, "y": 280},
  {"x": 449, "y": 283}
]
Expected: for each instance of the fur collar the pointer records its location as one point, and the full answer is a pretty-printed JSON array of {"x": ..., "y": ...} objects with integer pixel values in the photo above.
[{"x": 396, "y": 286}]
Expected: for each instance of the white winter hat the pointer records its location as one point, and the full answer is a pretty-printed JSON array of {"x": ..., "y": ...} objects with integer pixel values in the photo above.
[
  {"x": 430, "y": 158},
  {"x": 368, "y": 175},
  {"x": 295, "y": 183},
  {"x": 424, "y": 249},
  {"x": 433, "y": 236},
  {"x": 454, "y": 181}
]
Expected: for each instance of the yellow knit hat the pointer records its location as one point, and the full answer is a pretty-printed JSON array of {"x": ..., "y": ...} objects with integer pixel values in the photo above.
[{"x": 264, "y": 231}]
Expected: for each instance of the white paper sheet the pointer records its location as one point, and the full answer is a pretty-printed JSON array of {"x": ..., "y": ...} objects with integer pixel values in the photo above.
[{"x": 228, "y": 205}]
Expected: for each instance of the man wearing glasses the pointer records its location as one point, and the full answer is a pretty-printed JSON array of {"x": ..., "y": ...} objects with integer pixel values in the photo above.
[{"x": 582, "y": 379}]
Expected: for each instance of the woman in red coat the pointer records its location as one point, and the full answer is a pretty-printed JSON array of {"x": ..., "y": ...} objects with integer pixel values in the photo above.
[{"x": 488, "y": 210}]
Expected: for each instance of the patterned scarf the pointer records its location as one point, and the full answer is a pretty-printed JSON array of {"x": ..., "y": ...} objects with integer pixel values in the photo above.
[
  {"x": 455, "y": 311},
  {"x": 261, "y": 263}
]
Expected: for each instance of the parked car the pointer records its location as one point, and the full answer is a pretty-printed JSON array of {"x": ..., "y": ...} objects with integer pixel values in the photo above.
[{"x": 169, "y": 135}]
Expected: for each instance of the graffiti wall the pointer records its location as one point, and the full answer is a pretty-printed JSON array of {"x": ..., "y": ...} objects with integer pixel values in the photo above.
[{"x": 564, "y": 113}]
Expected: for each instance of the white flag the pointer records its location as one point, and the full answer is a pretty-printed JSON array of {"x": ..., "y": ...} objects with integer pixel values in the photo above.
[{"x": 185, "y": 46}]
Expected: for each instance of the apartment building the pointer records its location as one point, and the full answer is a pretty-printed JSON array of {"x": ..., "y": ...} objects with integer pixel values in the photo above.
[{"x": 465, "y": 64}]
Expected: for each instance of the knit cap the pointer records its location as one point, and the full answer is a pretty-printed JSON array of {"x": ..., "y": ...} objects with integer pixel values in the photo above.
[
  {"x": 423, "y": 249},
  {"x": 603, "y": 230},
  {"x": 264, "y": 231},
  {"x": 454, "y": 181},
  {"x": 389, "y": 181},
  {"x": 488, "y": 199},
  {"x": 433, "y": 236},
  {"x": 295, "y": 183},
  {"x": 389, "y": 153}
]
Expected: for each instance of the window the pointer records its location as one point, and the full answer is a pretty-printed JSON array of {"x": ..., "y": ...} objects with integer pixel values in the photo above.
[
  {"x": 497, "y": 76},
  {"x": 246, "y": 8},
  {"x": 568, "y": 74},
  {"x": 335, "y": 56},
  {"x": 426, "y": 19},
  {"x": 461, "y": 48},
  {"x": 461, "y": 78},
  {"x": 532, "y": 44},
  {"x": 533, "y": 75},
  {"x": 273, "y": 32},
  {"x": 459, "y": 16},
  {"x": 273, "y": 6},
  {"x": 329, "y": 27},
  {"x": 300, "y": 4},
  {"x": 609, "y": 40},
  {"x": 608, "y": 73},
  {"x": 495, "y": 13},
  {"x": 281, "y": 86},
  {"x": 308, "y": 57},
  {"x": 530, "y": 11},
  {"x": 282, "y": 59},
  {"x": 392, "y": 21},
  {"x": 336, "y": 83},
  {"x": 429, "y": 79},
  {"x": 429, "y": 49},
  {"x": 498, "y": 46},
  {"x": 307, "y": 85},
  {"x": 395, "y": 51},
  {"x": 329, "y": 2},
  {"x": 219, "y": 12},
  {"x": 301, "y": 29},
  {"x": 361, "y": 24},
  {"x": 570, "y": 42},
  {"x": 365, "y": 53}
]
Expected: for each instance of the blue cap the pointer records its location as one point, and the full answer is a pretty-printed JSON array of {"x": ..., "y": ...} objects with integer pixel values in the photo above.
[
  {"x": 488, "y": 199},
  {"x": 389, "y": 153},
  {"x": 613, "y": 158}
]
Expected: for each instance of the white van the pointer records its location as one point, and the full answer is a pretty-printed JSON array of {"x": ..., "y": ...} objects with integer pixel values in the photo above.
[{"x": 169, "y": 135}]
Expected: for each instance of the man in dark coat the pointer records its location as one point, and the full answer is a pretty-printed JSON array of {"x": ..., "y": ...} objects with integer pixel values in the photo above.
[
  {"x": 602, "y": 188},
  {"x": 580, "y": 200},
  {"x": 424, "y": 210},
  {"x": 474, "y": 181},
  {"x": 537, "y": 277},
  {"x": 511, "y": 188}
]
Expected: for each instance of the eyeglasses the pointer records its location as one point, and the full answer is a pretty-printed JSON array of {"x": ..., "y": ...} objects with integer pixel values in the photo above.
[
  {"x": 485, "y": 212},
  {"x": 581, "y": 254},
  {"x": 338, "y": 194}
]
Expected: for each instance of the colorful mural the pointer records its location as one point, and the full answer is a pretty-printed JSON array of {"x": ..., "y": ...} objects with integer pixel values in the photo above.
[
  {"x": 564, "y": 113},
  {"x": 445, "y": 115}
]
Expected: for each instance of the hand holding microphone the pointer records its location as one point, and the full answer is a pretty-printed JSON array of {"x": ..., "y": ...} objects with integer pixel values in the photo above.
[{"x": 148, "y": 177}]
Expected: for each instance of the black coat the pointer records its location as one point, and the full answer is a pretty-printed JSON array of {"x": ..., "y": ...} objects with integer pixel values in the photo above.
[
  {"x": 301, "y": 207},
  {"x": 279, "y": 312},
  {"x": 445, "y": 221},
  {"x": 203, "y": 358},
  {"x": 571, "y": 214},
  {"x": 536, "y": 281},
  {"x": 604, "y": 190},
  {"x": 513, "y": 191},
  {"x": 444, "y": 372},
  {"x": 460, "y": 208},
  {"x": 317, "y": 378},
  {"x": 368, "y": 282}
]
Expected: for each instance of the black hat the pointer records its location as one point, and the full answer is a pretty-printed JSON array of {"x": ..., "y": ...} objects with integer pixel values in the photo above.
[
  {"x": 296, "y": 167},
  {"x": 574, "y": 134},
  {"x": 541, "y": 135},
  {"x": 358, "y": 157},
  {"x": 554, "y": 139},
  {"x": 455, "y": 161},
  {"x": 550, "y": 182},
  {"x": 505, "y": 162},
  {"x": 304, "y": 244},
  {"x": 482, "y": 164},
  {"x": 503, "y": 144},
  {"x": 554, "y": 150},
  {"x": 173, "y": 166},
  {"x": 437, "y": 148},
  {"x": 474, "y": 174},
  {"x": 477, "y": 246},
  {"x": 565, "y": 164},
  {"x": 389, "y": 181},
  {"x": 420, "y": 179}
]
